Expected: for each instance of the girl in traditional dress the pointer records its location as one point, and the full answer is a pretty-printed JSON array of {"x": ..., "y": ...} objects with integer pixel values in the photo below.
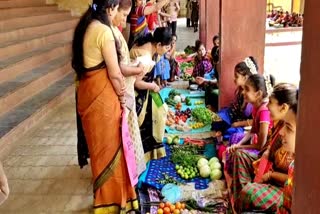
[
  {"x": 274, "y": 192},
  {"x": 256, "y": 91},
  {"x": 281, "y": 100}
]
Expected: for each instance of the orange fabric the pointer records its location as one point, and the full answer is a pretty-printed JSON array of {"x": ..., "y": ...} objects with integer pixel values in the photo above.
[{"x": 100, "y": 112}]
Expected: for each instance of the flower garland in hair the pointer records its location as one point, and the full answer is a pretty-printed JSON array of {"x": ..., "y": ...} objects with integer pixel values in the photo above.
[
  {"x": 94, "y": 6},
  {"x": 250, "y": 65},
  {"x": 269, "y": 87}
]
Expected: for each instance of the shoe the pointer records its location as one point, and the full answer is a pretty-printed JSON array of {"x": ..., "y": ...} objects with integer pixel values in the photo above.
[{"x": 195, "y": 30}]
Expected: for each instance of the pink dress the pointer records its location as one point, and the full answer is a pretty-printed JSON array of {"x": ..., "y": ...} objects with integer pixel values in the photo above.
[{"x": 259, "y": 115}]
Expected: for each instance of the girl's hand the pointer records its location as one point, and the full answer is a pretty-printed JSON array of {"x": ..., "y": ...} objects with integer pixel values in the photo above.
[
  {"x": 235, "y": 124},
  {"x": 232, "y": 149}
]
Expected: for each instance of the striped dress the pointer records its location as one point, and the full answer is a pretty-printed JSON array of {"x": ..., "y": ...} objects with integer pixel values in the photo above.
[{"x": 138, "y": 25}]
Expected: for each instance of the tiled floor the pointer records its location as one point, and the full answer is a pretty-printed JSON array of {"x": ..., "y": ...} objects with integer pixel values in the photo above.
[{"x": 42, "y": 168}]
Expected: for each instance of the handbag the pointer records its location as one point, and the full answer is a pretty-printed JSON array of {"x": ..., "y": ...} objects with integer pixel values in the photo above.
[{"x": 159, "y": 116}]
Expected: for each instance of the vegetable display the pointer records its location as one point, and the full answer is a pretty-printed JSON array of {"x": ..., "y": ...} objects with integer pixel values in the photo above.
[{"x": 202, "y": 114}]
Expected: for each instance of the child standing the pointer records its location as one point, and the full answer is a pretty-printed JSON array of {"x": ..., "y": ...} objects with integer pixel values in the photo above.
[{"x": 162, "y": 71}]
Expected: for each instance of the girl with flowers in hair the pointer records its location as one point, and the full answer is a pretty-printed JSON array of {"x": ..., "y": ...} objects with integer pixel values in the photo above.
[
  {"x": 238, "y": 114},
  {"x": 256, "y": 92},
  {"x": 100, "y": 102},
  {"x": 274, "y": 190}
]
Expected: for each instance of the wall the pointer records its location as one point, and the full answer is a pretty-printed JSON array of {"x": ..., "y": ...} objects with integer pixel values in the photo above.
[
  {"x": 307, "y": 168},
  {"x": 77, "y": 7},
  {"x": 239, "y": 40}
]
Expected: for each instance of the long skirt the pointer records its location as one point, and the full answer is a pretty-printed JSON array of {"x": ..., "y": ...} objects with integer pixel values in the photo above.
[
  {"x": 259, "y": 197},
  {"x": 243, "y": 171},
  {"x": 100, "y": 113}
]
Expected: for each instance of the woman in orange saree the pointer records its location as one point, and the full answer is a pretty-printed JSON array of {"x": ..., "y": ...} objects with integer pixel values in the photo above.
[{"x": 100, "y": 97}]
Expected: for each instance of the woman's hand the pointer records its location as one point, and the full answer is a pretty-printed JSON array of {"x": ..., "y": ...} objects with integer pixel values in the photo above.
[
  {"x": 141, "y": 68},
  {"x": 200, "y": 80},
  {"x": 266, "y": 177},
  {"x": 123, "y": 90},
  {"x": 4, "y": 186},
  {"x": 155, "y": 87}
]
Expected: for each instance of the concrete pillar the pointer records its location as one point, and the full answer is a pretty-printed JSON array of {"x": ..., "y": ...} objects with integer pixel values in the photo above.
[
  {"x": 307, "y": 168},
  {"x": 209, "y": 21},
  {"x": 242, "y": 30}
]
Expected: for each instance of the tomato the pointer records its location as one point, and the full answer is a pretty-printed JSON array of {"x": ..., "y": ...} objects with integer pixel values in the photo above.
[
  {"x": 167, "y": 204},
  {"x": 178, "y": 205},
  {"x": 166, "y": 210},
  {"x": 172, "y": 208},
  {"x": 161, "y": 205},
  {"x": 183, "y": 205},
  {"x": 176, "y": 211}
]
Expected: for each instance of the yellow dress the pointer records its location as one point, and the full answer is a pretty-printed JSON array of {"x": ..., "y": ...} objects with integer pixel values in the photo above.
[{"x": 131, "y": 114}]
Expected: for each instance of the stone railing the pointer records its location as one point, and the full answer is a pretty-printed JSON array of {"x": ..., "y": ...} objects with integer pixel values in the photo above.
[
  {"x": 77, "y": 7},
  {"x": 283, "y": 36}
]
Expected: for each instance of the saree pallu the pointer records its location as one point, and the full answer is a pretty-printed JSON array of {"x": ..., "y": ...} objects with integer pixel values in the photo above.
[
  {"x": 287, "y": 192},
  {"x": 100, "y": 113}
]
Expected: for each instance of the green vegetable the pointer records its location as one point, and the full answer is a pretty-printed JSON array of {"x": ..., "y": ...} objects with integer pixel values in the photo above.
[
  {"x": 202, "y": 114},
  {"x": 176, "y": 140},
  {"x": 169, "y": 140},
  {"x": 185, "y": 155},
  {"x": 168, "y": 180},
  {"x": 188, "y": 101},
  {"x": 170, "y": 101}
]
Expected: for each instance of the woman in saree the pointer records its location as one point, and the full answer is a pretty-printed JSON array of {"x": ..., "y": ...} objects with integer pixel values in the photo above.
[
  {"x": 266, "y": 196},
  {"x": 100, "y": 98},
  {"x": 150, "y": 47},
  {"x": 130, "y": 72},
  {"x": 138, "y": 21}
]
